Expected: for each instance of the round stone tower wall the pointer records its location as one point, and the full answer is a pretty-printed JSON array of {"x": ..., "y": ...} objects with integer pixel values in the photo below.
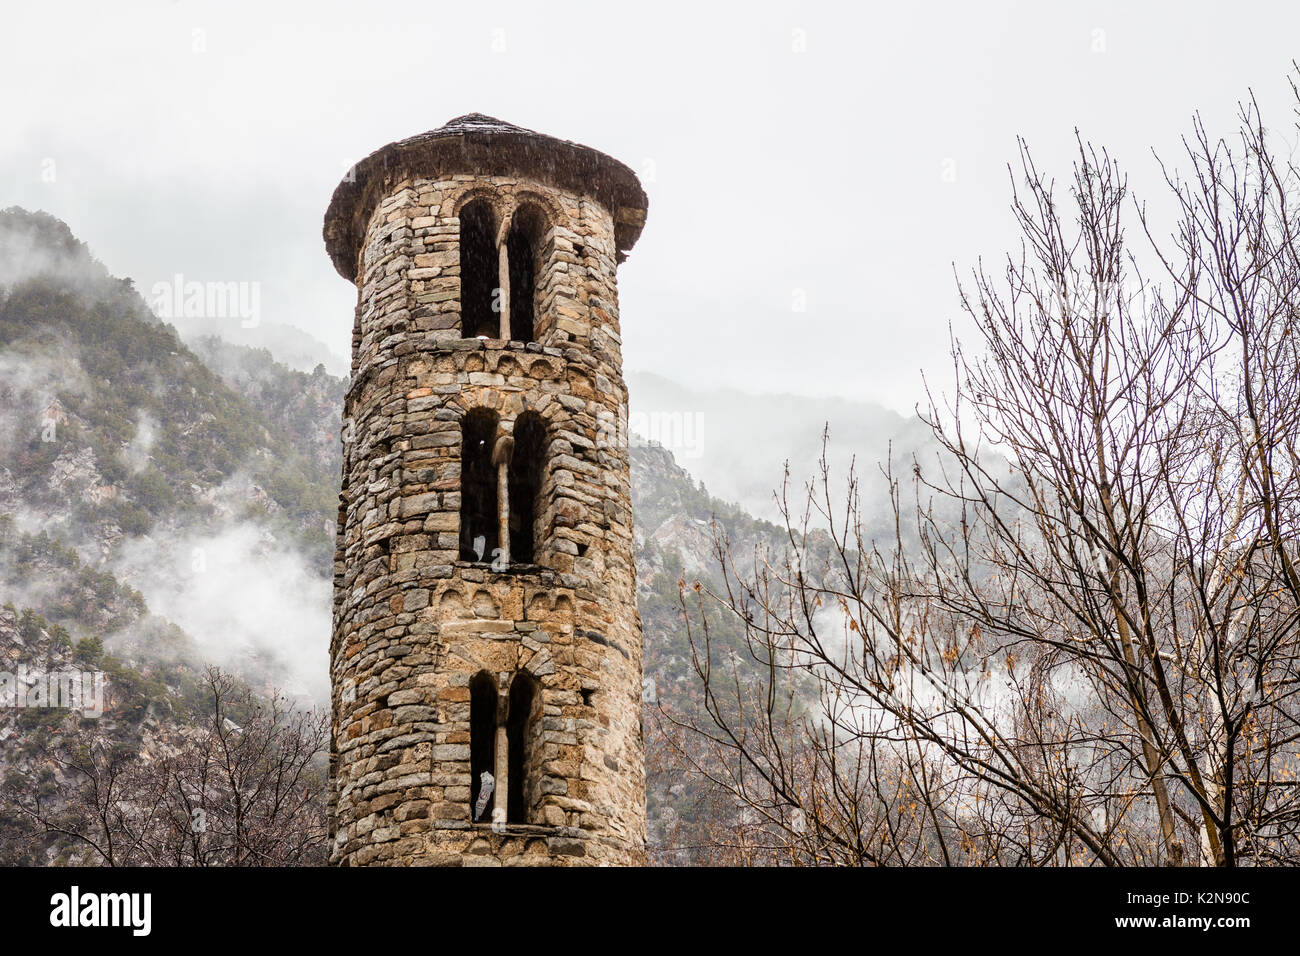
[{"x": 416, "y": 624}]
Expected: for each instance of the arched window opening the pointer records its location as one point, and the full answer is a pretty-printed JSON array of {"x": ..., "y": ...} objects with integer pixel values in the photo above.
[
  {"x": 479, "y": 519},
  {"x": 526, "y": 486},
  {"x": 523, "y": 698},
  {"x": 523, "y": 248},
  {"x": 478, "y": 271},
  {"x": 482, "y": 739}
]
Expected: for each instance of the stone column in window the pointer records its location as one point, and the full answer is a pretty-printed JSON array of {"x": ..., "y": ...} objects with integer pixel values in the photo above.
[
  {"x": 500, "y": 796},
  {"x": 501, "y": 454},
  {"x": 503, "y": 282}
]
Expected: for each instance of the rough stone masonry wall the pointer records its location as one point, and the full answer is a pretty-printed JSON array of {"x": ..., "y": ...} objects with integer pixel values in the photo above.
[{"x": 412, "y": 623}]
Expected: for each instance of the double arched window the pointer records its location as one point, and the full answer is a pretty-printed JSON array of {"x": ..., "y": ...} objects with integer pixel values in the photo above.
[
  {"x": 500, "y": 275},
  {"x": 502, "y": 729},
  {"x": 500, "y": 487}
]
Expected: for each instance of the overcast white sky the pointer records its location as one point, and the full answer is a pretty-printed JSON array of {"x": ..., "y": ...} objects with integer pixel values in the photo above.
[{"x": 206, "y": 138}]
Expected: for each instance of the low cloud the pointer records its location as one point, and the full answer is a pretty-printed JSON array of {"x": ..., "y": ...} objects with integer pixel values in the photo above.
[{"x": 251, "y": 603}]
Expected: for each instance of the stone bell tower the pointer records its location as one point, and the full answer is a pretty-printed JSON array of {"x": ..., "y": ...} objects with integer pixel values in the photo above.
[{"x": 486, "y": 652}]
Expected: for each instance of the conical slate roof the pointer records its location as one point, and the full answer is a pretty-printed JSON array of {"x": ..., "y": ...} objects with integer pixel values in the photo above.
[{"x": 475, "y": 143}]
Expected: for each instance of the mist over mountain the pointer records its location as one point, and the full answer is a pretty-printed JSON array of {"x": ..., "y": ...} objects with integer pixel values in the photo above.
[
  {"x": 738, "y": 443},
  {"x": 120, "y": 443},
  {"x": 290, "y": 345}
]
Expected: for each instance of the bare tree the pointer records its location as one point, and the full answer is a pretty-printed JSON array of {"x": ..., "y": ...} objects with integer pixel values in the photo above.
[
  {"x": 246, "y": 787},
  {"x": 249, "y": 789},
  {"x": 1080, "y": 643},
  {"x": 91, "y": 795}
]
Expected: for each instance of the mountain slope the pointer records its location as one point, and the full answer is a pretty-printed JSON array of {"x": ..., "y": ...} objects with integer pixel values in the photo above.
[{"x": 120, "y": 442}]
